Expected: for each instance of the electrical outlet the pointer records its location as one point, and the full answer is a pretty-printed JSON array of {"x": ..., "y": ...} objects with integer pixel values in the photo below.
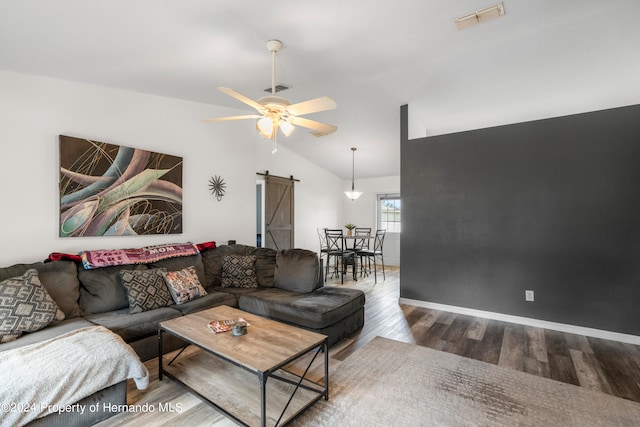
[{"x": 528, "y": 295}]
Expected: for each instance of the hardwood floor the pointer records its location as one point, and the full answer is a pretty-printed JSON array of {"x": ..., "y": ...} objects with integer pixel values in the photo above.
[{"x": 607, "y": 366}]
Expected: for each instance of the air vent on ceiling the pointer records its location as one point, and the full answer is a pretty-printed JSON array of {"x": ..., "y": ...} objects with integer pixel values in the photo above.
[
  {"x": 279, "y": 87},
  {"x": 482, "y": 15}
]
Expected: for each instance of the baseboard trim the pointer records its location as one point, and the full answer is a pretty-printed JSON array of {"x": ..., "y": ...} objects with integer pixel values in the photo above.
[{"x": 572, "y": 329}]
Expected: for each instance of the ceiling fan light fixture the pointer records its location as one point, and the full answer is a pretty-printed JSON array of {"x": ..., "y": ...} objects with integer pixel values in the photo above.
[
  {"x": 265, "y": 127},
  {"x": 275, "y": 112},
  {"x": 286, "y": 127}
]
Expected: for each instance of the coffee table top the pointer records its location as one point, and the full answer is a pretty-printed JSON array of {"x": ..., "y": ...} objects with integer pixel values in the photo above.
[{"x": 266, "y": 346}]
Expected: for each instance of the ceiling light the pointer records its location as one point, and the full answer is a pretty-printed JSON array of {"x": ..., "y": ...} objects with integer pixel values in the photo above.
[
  {"x": 482, "y": 15},
  {"x": 353, "y": 194},
  {"x": 286, "y": 127},
  {"x": 264, "y": 126}
]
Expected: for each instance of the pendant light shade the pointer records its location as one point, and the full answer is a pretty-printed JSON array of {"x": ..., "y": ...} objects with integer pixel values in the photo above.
[{"x": 353, "y": 194}]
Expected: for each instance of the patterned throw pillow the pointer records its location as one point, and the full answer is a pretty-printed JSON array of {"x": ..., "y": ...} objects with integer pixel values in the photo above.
[
  {"x": 239, "y": 271},
  {"x": 184, "y": 285},
  {"x": 146, "y": 289},
  {"x": 25, "y": 306}
]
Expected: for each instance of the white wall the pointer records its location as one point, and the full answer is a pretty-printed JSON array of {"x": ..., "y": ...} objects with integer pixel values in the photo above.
[
  {"x": 35, "y": 110},
  {"x": 362, "y": 211}
]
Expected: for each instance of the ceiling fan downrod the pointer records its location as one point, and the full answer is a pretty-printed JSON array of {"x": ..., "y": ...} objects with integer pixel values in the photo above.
[{"x": 273, "y": 46}]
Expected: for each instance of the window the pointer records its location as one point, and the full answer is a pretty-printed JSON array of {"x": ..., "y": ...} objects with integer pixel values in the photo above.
[{"x": 389, "y": 212}]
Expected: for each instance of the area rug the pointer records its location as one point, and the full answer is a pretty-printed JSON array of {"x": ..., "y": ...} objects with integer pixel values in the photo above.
[{"x": 389, "y": 383}]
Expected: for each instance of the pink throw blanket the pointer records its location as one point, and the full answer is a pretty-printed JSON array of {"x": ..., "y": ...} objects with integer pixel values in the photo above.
[{"x": 148, "y": 254}]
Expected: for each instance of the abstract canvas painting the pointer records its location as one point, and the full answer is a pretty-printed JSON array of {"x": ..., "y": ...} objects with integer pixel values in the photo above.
[{"x": 113, "y": 190}]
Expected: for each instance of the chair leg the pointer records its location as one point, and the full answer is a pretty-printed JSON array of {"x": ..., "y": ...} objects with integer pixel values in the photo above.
[
  {"x": 326, "y": 268},
  {"x": 375, "y": 271},
  {"x": 382, "y": 260}
]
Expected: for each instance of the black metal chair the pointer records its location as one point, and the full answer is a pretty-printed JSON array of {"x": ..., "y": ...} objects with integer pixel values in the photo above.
[
  {"x": 373, "y": 254},
  {"x": 361, "y": 240},
  {"x": 324, "y": 249},
  {"x": 341, "y": 256}
]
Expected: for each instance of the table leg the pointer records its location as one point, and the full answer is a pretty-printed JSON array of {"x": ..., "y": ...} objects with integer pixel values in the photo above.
[
  {"x": 159, "y": 354},
  {"x": 263, "y": 398},
  {"x": 326, "y": 370}
]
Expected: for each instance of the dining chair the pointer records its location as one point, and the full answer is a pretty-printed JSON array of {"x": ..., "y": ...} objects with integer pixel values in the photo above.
[
  {"x": 361, "y": 240},
  {"x": 324, "y": 248},
  {"x": 341, "y": 256},
  {"x": 373, "y": 254}
]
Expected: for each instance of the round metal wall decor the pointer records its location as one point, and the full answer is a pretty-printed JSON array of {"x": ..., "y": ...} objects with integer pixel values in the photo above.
[{"x": 217, "y": 186}]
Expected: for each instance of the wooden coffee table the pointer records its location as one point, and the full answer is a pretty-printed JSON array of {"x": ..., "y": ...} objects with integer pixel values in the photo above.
[{"x": 231, "y": 373}]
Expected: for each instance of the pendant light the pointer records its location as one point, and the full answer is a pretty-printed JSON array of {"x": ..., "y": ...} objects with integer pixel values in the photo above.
[{"x": 353, "y": 194}]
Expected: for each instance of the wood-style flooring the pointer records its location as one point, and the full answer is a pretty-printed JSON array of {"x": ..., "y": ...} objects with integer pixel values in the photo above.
[{"x": 607, "y": 366}]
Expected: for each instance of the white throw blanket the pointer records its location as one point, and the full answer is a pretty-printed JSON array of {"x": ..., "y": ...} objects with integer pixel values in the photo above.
[{"x": 52, "y": 375}]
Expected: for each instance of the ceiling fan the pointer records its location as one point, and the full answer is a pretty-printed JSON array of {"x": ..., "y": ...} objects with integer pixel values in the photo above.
[{"x": 275, "y": 112}]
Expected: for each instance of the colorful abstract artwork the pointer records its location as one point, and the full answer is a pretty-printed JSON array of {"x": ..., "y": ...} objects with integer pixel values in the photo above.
[{"x": 112, "y": 190}]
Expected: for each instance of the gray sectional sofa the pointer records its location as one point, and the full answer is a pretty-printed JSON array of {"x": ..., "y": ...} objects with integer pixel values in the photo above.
[{"x": 288, "y": 287}]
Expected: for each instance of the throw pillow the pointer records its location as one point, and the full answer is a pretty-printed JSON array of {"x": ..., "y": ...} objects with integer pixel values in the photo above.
[
  {"x": 239, "y": 271},
  {"x": 25, "y": 306},
  {"x": 146, "y": 289},
  {"x": 184, "y": 285}
]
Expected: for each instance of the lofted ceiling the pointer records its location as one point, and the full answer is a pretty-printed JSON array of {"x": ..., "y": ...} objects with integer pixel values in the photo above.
[{"x": 542, "y": 59}]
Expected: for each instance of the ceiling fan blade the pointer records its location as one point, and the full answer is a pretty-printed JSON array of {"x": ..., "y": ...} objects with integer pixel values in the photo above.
[
  {"x": 320, "y": 128},
  {"x": 224, "y": 119},
  {"x": 323, "y": 103},
  {"x": 240, "y": 97}
]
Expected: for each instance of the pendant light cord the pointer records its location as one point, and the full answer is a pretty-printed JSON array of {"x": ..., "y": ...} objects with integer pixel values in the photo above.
[{"x": 353, "y": 168}]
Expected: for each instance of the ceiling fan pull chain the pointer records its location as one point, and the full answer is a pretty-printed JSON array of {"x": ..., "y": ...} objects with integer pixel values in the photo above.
[{"x": 275, "y": 137}]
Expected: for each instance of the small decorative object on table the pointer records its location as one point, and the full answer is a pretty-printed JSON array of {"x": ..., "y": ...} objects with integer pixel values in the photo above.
[
  {"x": 218, "y": 326},
  {"x": 350, "y": 228},
  {"x": 239, "y": 329}
]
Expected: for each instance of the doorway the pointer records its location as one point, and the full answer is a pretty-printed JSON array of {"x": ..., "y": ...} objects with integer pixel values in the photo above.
[{"x": 275, "y": 213}]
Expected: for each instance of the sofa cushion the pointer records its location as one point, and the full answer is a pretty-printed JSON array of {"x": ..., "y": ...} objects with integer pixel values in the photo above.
[
  {"x": 184, "y": 285},
  {"x": 25, "y": 306},
  {"x": 236, "y": 292},
  {"x": 265, "y": 266},
  {"x": 59, "y": 278},
  {"x": 212, "y": 299},
  {"x": 101, "y": 289},
  {"x": 53, "y": 330},
  {"x": 239, "y": 271},
  {"x": 146, "y": 289},
  {"x": 315, "y": 310},
  {"x": 132, "y": 327},
  {"x": 297, "y": 270}
]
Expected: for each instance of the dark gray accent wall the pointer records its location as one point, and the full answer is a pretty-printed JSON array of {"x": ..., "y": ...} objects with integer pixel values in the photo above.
[{"x": 551, "y": 206}]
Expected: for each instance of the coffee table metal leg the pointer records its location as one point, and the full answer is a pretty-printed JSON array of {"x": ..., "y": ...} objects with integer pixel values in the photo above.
[
  {"x": 159, "y": 354},
  {"x": 326, "y": 370},
  {"x": 263, "y": 398}
]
